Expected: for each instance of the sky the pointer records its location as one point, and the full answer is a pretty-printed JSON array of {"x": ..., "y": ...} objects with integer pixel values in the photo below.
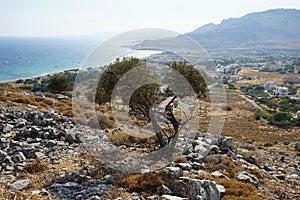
[{"x": 80, "y": 17}]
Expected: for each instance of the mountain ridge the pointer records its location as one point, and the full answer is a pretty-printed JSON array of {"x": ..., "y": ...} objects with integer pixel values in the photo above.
[{"x": 276, "y": 28}]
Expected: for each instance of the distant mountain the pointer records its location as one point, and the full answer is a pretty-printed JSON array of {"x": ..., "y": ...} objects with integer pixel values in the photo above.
[{"x": 272, "y": 29}]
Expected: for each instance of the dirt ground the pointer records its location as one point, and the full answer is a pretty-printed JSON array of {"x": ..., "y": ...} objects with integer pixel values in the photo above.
[
  {"x": 261, "y": 77},
  {"x": 241, "y": 124}
]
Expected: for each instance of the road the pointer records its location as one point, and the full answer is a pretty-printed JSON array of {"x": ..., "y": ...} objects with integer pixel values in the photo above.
[{"x": 251, "y": 101}]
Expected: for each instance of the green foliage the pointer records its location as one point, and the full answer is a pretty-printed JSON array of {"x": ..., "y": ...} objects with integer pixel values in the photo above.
[
  {"x": 266, "y": 69},
  {"x": 59, "y": 84},
  {"x": 289, "y": 68},
  {"x": 268, "y": 144},
  {"x": 225, "y": 80},
  {"x": 146, "y": 96},
  {"x": 226, "y": 108},
  {"x": 111, "y": 76},
  {"x": 260, "y": 114},
  {"x": 196, "y": 79},
  {"x": 293, "y": 90},
  {"x": 168, "y": 92},
  {"x": 30, "y": 81},
  {"x": 231, "y": 86},
  {"x": 143, "y": 99},
  {"x": 280, "y": 117},
  {"x": 289, "y": 105}
]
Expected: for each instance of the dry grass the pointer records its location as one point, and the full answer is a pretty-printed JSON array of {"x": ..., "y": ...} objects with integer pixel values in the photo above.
[
  {"x": 147, "y": 182},
  {"x": 8, "y": 195},
  {"x": 180, "y": 159},
  {"x": 35, "y": 167},
  {"x": 122, "y": 138},
  {"x": 262, "y": 77},
  {"x": 242, "y": 126},
  {"x": 141, "y": 122},
  {"x": 238, "y": 190},
  {"x": 222, "y": 163},
  {"x": 106, "y": 121}
]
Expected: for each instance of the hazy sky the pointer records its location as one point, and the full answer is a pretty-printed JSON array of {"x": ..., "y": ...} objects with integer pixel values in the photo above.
[{"x": 72, "y": 17}]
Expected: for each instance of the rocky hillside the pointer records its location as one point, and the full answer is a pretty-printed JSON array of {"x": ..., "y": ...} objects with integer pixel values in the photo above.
[
  {"x": 272, "y": 29},
  {"x": 43, "y": 157}
]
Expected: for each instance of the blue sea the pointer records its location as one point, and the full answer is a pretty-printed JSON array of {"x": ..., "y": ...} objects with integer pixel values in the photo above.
[{"x": 25, "y": 57}]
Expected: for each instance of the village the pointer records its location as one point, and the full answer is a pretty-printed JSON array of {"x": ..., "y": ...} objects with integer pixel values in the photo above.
[{"x": 272, "y": 83}]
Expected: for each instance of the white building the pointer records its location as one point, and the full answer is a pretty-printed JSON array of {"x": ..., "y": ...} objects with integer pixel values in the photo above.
[
  {"x": 280, "y": 92},
  {"x": 297, "y": 116}
]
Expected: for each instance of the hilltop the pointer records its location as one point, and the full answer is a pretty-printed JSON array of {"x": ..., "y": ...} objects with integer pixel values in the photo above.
[{"x": 271, "y": 29}]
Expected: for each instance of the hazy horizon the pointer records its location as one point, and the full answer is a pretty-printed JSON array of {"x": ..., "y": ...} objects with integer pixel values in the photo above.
[{"x": 75, "y": 18}]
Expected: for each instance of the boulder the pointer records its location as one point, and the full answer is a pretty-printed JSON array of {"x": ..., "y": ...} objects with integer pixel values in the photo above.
[
  {"x": 184, "y": 166},
  {"x": 200, "y": 189},
  {"x": 218, "y": 175},
  {"x": 226, "y": 142},
  {"x": 248, "y": 178},
  {"x": 174, "y": 172},
  {"x": 21, "y": 184},
  {"x": 162, "y": 189},
  {"x": 221, "y": 189}
]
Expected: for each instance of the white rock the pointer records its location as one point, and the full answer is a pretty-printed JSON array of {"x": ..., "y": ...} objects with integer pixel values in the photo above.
[
  {"x": 21, "y": 184},
  {"x": 169, "y": 197}
]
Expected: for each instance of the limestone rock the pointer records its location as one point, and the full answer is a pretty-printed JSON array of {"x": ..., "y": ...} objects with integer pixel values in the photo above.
[
  {"x": 248, "y": 178},
  {"x": 21, "y": 184}
]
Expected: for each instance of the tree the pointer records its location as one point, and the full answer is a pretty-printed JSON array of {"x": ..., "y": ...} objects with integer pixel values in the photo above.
[
  {"x": 59, "y": 84},
  {"x": 143, "y": 99},
  {"x": 146, "y": 97},
  {"x": 281, "y": 117},
  {"x": 111, "y": 76},
  {"x": 196, "y": 79}
]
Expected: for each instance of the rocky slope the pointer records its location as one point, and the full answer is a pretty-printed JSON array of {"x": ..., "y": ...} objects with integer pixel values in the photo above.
[{"x": 42, "y": 157}]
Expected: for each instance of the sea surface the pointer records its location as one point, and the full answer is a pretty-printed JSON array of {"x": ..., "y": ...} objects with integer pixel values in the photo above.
[{"x": 26, "y": 57}]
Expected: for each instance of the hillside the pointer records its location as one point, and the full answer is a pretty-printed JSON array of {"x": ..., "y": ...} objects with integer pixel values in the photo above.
[{"x": 272, "y": 29}]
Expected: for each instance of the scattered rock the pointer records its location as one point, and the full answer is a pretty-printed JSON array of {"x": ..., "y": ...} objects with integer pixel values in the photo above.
[
  {"x": 248, "y": 178},
  {"x": 218, "y": 175},
  {"x": 174, "y": 172},
  {"x": 109, "y": 179},
  {"x": 184, "y": 166},
  {"x": 297, "y": 146},
  {"x": 200, "y": 189},
  {"x": 221, "y": 189},
  {"x": 162, "y": 189},
  {"x": 21, "y": 184},
  {"x": 169, "y": 197}
]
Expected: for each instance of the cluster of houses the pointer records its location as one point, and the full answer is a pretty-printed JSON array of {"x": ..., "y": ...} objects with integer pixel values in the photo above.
[{"x": 273, "y": 91}]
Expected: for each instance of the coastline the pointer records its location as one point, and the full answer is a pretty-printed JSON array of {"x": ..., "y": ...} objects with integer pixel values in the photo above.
[{"x": 45, "y": 75}]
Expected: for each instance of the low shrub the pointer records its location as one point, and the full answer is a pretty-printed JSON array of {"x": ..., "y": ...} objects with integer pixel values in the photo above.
[
  {"x": 238, "y": 190},
  {"x": 105, "y": 122},
  {"x": 35, "y": 167},
  {"x": 268, "y": 144},
  {"x": 147, "y": 182},
  {"x": 226, "y": 108},
  {"x": 222, "y": 163},
  {"x": 180, "y": 159}
]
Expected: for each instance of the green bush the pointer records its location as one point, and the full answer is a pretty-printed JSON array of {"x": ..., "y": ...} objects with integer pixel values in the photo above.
[
  {"x": 58, "y": 84},
  {"x": 226, "y": 108},
  {"x": 280, "y": 117},
  {"x": 260, "y": 113},
  {"x": 268, "y": 144}
]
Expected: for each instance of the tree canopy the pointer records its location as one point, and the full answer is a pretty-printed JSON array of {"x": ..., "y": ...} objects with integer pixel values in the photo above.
[
  {"x": 142, "y": 97},
  {"x": 59, "y": 84},
  {"x": 196, "y": 79}
]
